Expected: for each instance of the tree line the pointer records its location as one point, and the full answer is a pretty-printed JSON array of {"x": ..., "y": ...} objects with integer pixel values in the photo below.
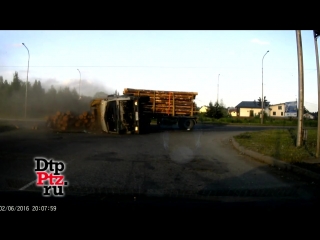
[{"x": 40, "y": 103}]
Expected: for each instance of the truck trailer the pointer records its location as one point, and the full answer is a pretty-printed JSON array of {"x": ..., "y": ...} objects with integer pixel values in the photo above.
[{"x": 133, "y": 111}]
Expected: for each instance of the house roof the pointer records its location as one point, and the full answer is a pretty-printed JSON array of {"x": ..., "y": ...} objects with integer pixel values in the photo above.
[
  {"x": 308, "y": 114},
  {"x": 250, "y": 104},
  {"x": 277, "y": 104},
  {"x": 232, "y": 109}
]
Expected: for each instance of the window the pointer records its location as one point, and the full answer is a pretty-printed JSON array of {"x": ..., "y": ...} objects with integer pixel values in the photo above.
[
  {"x": 273, "y": 113},
  {"x": 279, "y": 107},
  {"x": 281, "y": 113}
]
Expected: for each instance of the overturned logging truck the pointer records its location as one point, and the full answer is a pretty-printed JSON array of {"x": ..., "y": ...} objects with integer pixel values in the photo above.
[{"x": 133, "y": 111}]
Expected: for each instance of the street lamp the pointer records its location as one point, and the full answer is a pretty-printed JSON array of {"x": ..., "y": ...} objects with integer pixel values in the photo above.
[
  {"x": 79, "y": 84},
  {"x": 25, "y": 106},
  {"x": 218, "y": 90},
  {"x": 262, "y": 99}
]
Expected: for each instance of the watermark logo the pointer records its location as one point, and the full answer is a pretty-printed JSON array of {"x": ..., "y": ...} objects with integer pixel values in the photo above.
[{"x": 49, "y": 176}]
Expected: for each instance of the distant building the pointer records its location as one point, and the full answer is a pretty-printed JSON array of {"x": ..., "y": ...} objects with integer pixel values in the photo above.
[
  {"x": 277, "y": 110},
  {"x": 232, "y": 112},
  {"x": 203, "y": 109},
  {"x": 250, "y": 108},
  {"x": 308, "y": 116}
]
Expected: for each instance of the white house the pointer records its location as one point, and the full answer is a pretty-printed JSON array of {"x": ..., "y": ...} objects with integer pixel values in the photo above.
[
  {"x": 232, "y": 112},
  {"x": 203, "y": 109},
  {"x": 277, "y": 110},
  {"x": 308, "y": 116},
  {"x": 250, "y": 109}
]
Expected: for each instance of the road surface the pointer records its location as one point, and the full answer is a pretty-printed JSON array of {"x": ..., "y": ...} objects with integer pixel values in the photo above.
[{"x": 201, "y": 162}]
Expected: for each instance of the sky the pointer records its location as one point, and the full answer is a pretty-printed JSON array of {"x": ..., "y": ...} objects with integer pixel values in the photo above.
[{"x": 215, "y": 64}]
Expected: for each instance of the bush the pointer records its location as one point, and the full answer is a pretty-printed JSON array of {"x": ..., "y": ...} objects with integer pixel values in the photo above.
[
  {"x": 239, "y": 120},
  {"x": 310, "y": 123},
  {"x": 224, "y": 120}
]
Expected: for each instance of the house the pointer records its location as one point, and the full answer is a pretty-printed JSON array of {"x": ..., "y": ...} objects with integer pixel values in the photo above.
[
  {"x": 250, "y": 108},
  {"x": 277, "y": 110},
  {"x": 232, "y": 112},
  {"x": 287, "y": 109},
  {"x": 308, "y": 116},
  {"x": 203, "y": 109}
]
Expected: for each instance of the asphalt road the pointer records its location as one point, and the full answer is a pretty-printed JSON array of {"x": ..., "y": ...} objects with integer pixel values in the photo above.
[{"x": 201, "y": 162}]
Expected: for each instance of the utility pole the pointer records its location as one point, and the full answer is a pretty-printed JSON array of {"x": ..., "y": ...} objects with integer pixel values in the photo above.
[
  {"x": 316, "y": 34},
  {"x": 79, "y": 84},
  {"x": 262, "y": 98},
  {"x": 26, "y": 99},
  {"x": 218, "y": 90},
  {"x": 301, "y": 89}
]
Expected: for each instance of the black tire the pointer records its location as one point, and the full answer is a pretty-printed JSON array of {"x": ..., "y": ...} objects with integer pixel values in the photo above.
[{"x": 186, "y": 124}]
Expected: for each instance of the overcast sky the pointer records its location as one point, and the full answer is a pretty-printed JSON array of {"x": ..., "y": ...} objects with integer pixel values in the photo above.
[{"x": 166, "y": 60}]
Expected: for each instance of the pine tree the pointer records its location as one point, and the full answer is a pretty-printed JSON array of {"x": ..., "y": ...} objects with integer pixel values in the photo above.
[{"x": 16, "y": 84}]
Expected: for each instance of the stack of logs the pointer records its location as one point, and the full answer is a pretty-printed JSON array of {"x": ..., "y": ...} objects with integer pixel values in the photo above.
[
  {"x": 69, "y": 121},
  {"x": 171, "y": 103}
]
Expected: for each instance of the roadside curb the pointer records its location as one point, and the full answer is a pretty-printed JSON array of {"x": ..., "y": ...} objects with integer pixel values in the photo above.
[{"x": 275, "y": 162}]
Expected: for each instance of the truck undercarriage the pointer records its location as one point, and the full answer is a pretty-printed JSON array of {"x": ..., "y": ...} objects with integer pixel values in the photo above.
[{"x": 128, "y": 114}]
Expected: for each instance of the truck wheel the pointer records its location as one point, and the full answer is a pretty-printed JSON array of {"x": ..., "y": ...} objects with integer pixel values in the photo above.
[{"x": 188, "y": 124}]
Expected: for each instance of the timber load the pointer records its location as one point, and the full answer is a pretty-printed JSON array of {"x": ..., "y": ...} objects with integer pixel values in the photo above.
[
  {"x": 69, "y": 121},
  {"x": 170, "y": 103}
]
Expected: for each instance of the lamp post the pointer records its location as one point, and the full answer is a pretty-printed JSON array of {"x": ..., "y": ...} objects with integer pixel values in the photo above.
[
  {"x": 218, "y": 90},
  {"x": 79, "y": 84},
  {"x": 25, "y": 103},
  {"x": 262, "y": 99}
]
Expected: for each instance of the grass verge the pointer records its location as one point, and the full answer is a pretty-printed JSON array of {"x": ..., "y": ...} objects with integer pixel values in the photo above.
[{"x": 280, "y": 144}]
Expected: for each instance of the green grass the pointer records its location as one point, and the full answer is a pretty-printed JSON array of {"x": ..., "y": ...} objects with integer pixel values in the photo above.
[
  {"x": 280, "y": 144},
  {"x": 268, "y": 121}
]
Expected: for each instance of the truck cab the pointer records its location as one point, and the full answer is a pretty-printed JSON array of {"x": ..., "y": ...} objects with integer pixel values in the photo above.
[{"x": 123, "y": 114}]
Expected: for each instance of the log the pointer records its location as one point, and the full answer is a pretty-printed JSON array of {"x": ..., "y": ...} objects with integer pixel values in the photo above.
[
  {"x": 131, "y": 90},
  {"x": 161, "y": 95},
  {"x": 171, "y": 99},
  {"x": 162, "y": 105},
  {"x": 166, "y": 97}
]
